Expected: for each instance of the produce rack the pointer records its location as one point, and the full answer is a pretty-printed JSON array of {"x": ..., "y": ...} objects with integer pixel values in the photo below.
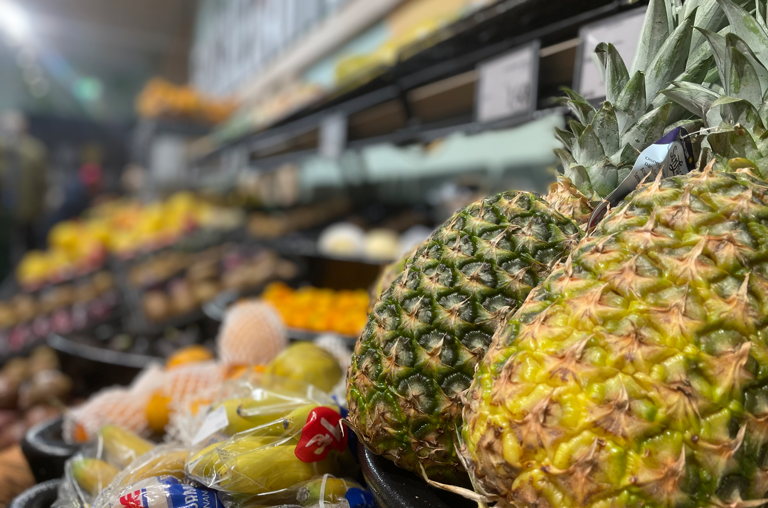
[{"x": 430, "y": 91}]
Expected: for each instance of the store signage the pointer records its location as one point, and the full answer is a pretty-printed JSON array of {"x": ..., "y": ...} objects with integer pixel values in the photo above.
[
  {"x": 507, "y": 85},
  {"x": 333, "y": 135},
  {"x": 623, "y": 31}
]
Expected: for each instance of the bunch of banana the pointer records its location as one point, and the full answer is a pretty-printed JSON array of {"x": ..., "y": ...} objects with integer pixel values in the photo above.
[
  {"x": 327, "y": 488},
  {"x": 92, "y": 475},
  {"x": 165, "y": 462},
  {"x": 273, "y": 408},
  {"x": 121, "y": 446},
  {"x": 246, "y": 468}
]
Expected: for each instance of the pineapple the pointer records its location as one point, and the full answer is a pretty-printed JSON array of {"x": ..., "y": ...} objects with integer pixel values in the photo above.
[
  {"x": 635, "y": 375},
  {"x": 428, "y": 331},
  {"x": 432, "y": 326}
]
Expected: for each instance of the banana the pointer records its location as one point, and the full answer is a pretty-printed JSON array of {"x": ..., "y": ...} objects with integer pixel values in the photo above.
[
  {"x": 204, "y": 464},
  {"x": 248, "y": 413},
  {"x": 333, "y": 490},
  {"x": 272, "y": 469},
  {"x": 121, "y": 446},
  {"x": 93, "y": 475},
  {"x": 170, "y": 463}
]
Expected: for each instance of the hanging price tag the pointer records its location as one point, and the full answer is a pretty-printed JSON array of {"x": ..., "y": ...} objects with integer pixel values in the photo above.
[
  {"x": 322, "y": 433},
  {"x": 672, "y": 155},
  {"x": 507, "y": 85},
  {"x": 623, "y": 31}
]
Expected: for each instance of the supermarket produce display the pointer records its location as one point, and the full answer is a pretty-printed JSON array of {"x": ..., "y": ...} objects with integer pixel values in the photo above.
[{"x": 599, "y": 345}]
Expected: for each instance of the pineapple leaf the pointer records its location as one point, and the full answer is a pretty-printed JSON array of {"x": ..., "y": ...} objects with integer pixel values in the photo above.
[
  {"x": 566, "y": 138},
  {"x": 576, "y": 127},
  {"x": 694, "y": 74},
  {"x": 566, "y": 159},
  {"x": 626, "y": 156},
  {"x": 745, "y": 26},
  {"x": 624, "y": 172},
  {"x": 674, "y": 9},
  {"x": 733, "y": 143},
  {"x": 630, "y": 105},
  {"x": 604, "y": 177},
  {"x": 704, "y": 51},
  {"x": 670, "y": 61},
  {"x": 760, "y": 14},
  {"x": 573, "y": 94},
  {"x": 709, "y": 17},
  {"x": 583, "y": 111},
  {"x": 578, "y": 175},
  {"x": 588, "y": 150},
  {"x": 718, "y": 47},
  {"x": 614, "y": 71},
  {"x": 763, "y": 109},
  {"x": 760, "y": 70},
  {"x": 743, "y": 81},
  {"x": 607, "y": 128},
  {"x": 695, "y": 98},
  {"x": 690, "y": 5},
  {"x": 725, "y": 100},
  {"x": 648, "y": 129},
  {"x": 655, "y": 31}
]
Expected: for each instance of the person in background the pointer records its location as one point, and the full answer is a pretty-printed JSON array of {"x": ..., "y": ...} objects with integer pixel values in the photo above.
[
  {"x": 79, "y": 193},
  {"x": 23, "y": 186}
]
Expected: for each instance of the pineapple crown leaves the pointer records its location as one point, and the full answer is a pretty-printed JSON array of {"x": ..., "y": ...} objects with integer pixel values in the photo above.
[
  {"x": 685, "y": 52},
  {"x": 736, "y": 109}
]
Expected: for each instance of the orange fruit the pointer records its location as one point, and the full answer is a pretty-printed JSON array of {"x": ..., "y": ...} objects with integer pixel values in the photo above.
[
  {"x": 189, "y": 354},
  {"x": 158, "y": 411}
]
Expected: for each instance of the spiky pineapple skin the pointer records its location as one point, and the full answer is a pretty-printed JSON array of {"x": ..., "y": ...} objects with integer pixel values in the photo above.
[
  {"x": 637, "y": 373},
  {"x": 433, "y": 325},
  {"x": 564, "y": 197}
]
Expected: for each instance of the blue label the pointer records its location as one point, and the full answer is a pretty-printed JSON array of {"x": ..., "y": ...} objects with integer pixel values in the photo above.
[
  {"x": 358, "y": 498},
  {"x": 168, "y": 492}
]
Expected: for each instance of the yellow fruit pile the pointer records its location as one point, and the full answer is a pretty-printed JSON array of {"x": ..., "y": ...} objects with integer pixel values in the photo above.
[
  {"x": 320, "y": 310},
  {"x": 163, "y": 99},
  {"x": 121, "y": 227}
]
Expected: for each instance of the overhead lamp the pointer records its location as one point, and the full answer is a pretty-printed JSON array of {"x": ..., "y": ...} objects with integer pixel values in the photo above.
[{"x": 13, "y": 21}]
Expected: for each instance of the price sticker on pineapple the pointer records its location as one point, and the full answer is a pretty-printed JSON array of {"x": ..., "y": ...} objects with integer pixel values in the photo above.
[
  {"x": 322, "y": 433},
  {"x": 507, "y": 85}
]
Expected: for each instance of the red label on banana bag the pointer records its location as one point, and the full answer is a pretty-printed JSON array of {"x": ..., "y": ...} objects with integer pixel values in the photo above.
[{"x": 322, "y": 433}]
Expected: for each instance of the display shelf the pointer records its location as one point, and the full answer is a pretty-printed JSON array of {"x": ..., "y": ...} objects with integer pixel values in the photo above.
[{"x": 407, "y": 101}]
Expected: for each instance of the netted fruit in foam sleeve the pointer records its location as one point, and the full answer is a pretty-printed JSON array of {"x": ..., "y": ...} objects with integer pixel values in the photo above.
[{"x": 252, "y": 333}]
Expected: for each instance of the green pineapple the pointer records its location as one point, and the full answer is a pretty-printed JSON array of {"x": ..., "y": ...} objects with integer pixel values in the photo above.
[
  {"x": 637, "y": 373},
  {"x": 433, "y": 325}
]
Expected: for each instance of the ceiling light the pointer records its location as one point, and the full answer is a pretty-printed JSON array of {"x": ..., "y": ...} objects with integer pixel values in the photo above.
[{"x": 13, "y": 21}]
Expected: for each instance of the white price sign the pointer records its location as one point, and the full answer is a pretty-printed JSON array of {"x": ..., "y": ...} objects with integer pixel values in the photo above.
[
  {"x": 623, "y": 31},
  {"x": 333, "y": 135},
  {"x": 507, "y": 85}
]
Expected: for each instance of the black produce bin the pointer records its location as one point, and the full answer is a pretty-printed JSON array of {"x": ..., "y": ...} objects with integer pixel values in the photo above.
[
  {"x": 94, "y": 368},
  {"x": 393, "y": 487},
  {"x": 41, "y": 495},
  {"x": 45, "y": 450}
]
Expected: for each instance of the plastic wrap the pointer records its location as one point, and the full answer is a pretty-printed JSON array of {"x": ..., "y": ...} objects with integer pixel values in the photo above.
[
  {"x": 92, "y": 470},
  {"x": 265, "y": 439},
  {"x": 160, "y": 492},
  {"x": 162, "y": 461}
]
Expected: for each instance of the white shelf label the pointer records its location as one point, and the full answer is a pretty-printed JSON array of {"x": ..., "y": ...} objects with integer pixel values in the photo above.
[
  {"x": 333, "y": 135},
  {"x": 507, "y": 84},
  {"x": 623, "y": 31}
]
